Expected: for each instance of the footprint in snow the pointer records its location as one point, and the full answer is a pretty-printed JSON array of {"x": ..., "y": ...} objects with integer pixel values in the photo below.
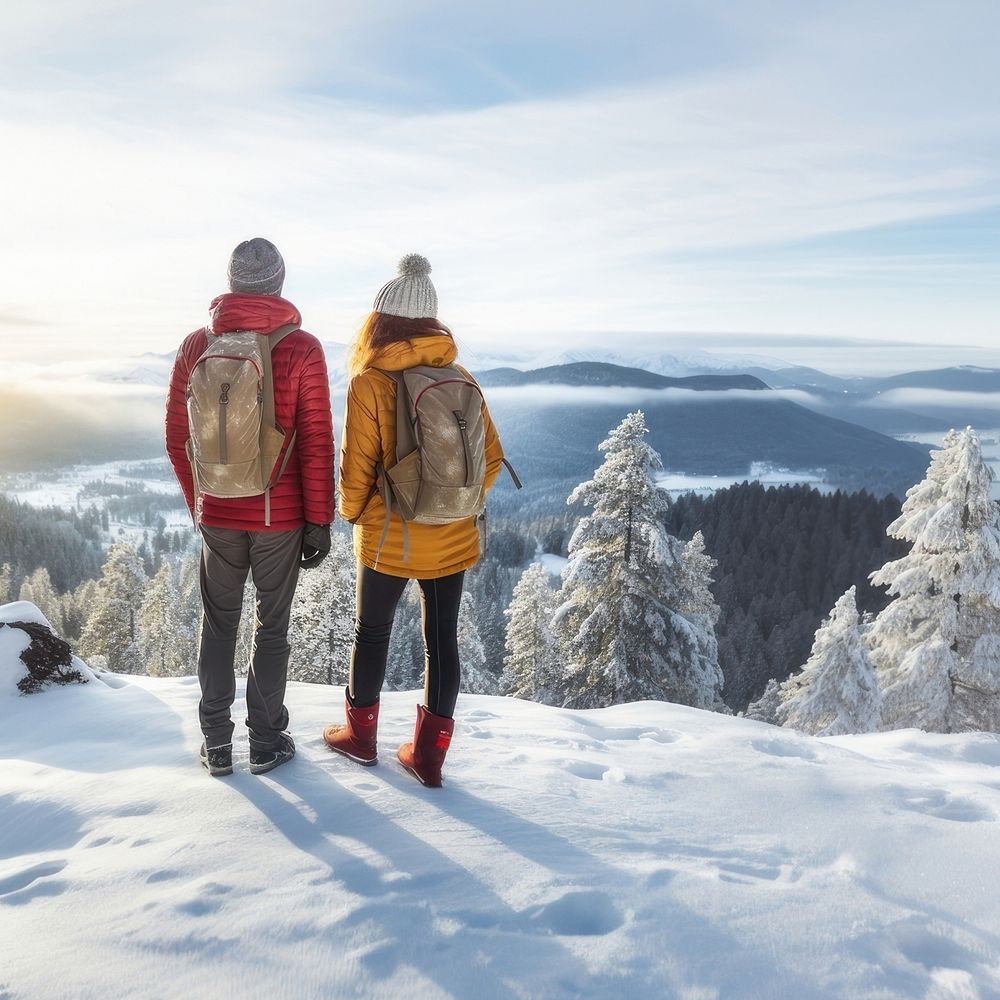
[
  {"x": 585, "y": 769},
  {"x": 660, "y": 736},
  {"x": 985, "y": 751},
  {"x": 29, "y": 883},
  {"x": 954, "y": 960},
  {"x": 581, "y": 913},
  {"x": 200, "y": 907},
  {"x": 163, "y": 875},
  {"x": 594, "y": 772},
  {"x": 934, "y": 802},
  {"x": 783, "y": 748},
  {"x": 748, "y": 872}
]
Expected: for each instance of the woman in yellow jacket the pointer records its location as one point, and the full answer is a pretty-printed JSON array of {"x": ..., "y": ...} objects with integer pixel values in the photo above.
[{"x": 401, "y": 332}]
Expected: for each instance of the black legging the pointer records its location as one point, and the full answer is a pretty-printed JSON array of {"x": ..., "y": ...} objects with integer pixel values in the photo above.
[{"x": 377, "y": 597}]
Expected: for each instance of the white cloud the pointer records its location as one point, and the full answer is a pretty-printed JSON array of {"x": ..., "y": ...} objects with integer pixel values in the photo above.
[
  {"x": 587, "y": 212},
  {"x": 933, "y": 398}
]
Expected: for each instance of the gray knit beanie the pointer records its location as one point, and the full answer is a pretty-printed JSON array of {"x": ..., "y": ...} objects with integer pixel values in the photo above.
[
  {"x": 411, "y": 294},
  {"x": 256, "y": 268}
]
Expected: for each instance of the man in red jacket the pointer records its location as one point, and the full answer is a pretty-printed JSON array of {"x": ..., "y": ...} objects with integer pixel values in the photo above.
[{"x": 238, "y": 537}]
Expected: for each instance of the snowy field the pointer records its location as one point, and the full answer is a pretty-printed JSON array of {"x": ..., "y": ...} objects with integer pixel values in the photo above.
[
  {"x": 646, "y": 850},
  {"x": 64, "y": 488}
]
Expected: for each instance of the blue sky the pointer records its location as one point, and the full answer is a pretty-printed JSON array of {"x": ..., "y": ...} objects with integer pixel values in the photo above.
[{"x": 721, "y": 175}]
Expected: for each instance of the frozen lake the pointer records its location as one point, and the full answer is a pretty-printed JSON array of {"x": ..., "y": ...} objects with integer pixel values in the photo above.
[{"x": 767, "y": 475}]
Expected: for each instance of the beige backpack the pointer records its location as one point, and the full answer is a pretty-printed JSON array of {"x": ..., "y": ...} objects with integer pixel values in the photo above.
[
  {"x": 234, "y": 441},
  {"x": 440, "y": 470}
]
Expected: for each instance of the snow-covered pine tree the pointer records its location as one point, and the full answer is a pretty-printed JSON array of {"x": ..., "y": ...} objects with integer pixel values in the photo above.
[
  {"x": 697, "y": 605},
  {"x": 531, "y": 666},
  {"x": 837, "y": 691},
  {"x": 695, "y": 598},
  {"x": 76, "y": 605},
  {"x": 477, "y": 678},
  {"x": 6, "y": 583},
  {"x": 189, "y": 610},
  {"x": 617, "y": 622},
  {"x": 934, "y": 646},
  {"x": 405, "y": 663},
  {"x": 976, "y": 683},
  {"x": 766, "y": 707},
  {"x": 246, "y": 631},
  {"x": 111, "y": 629},
  {"x": 161, "y": 644},
  {"x": 37, "y": 589},
  {"x": 322, "y": 624}
]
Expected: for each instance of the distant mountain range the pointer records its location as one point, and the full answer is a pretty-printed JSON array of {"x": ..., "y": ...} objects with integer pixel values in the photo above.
[
  {"x": 912, "y": 402},
  {"x": 595, "y": 373},
  {"x": 674, "y": 364},
  {"x": 741, "y": 410},
  {"x": 552, "y": 436}
]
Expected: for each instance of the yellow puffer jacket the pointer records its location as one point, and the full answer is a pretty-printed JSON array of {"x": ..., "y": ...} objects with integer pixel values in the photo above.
[{"x": 369, "y": 439}]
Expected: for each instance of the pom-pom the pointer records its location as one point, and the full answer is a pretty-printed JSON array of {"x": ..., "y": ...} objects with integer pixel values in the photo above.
[{"x": 414, "y": 266}]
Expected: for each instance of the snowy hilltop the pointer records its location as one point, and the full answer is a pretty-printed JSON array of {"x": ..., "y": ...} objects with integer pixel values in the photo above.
[{"x": 645, "y": 850}]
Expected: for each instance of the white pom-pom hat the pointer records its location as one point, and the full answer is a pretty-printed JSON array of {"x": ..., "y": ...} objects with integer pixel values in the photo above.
[{"x": 412, "y": 294}]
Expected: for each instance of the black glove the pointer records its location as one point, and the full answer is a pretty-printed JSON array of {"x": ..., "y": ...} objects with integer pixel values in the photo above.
[{"x": 315, "y": 544}]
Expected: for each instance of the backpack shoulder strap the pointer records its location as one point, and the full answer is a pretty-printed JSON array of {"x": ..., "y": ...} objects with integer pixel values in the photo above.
[
  {"x": 268, "y": 342},
  {"x": 405, "y": 438}
]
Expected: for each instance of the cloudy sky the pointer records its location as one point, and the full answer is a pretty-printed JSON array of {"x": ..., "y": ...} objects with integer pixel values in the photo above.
[{"x": 816, "y": 181}]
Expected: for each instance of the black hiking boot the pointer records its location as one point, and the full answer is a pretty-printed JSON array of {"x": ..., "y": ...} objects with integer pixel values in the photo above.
[
  {"x": 217, "y": 760},
  {"x": 266, "y": 757}
]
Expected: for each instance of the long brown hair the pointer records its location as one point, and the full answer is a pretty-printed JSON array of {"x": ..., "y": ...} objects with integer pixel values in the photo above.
[{"x": 380, "y": 330}]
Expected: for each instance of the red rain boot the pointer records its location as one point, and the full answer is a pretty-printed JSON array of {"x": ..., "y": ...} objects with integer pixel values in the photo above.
[
  {"x": 425, "y": 755},
  {"x": 357, "y": 738}
]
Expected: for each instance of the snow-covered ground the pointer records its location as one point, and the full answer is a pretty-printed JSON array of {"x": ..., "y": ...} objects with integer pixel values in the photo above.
[{"x": 645, "y": 850}]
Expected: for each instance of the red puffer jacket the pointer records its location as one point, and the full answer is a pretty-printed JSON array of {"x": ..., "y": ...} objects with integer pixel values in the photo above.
[{"x": 301, "y": 401}]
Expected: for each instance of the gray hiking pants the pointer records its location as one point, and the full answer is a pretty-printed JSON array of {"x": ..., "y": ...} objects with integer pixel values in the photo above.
[{"x": 227, "y": 556}]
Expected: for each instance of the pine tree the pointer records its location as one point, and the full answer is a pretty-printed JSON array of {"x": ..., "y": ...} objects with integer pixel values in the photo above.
[
  {"x": 837, "y": 691},
  {"x": 531, "y": 666},
  {"x": 111, "y": 629},
  {"x": 160, "y": 643},
  {"x": 697, "y": 605},
  {"x": 766, "y": 707},
  {"x": 405, "y": 663},
  {"x": 189, "y": 611},
  {"x": 695, "y": 581},
  {"x": 322, "y": 623},
  {"x": 617, "y": 621},
  {"x": 37, "y": 589},
  {"x": 76, "y": 605},
  {"x": 477, "y": 678},
  {"x": 934, "y": 645},
  {"x": 6, "y": 583}
]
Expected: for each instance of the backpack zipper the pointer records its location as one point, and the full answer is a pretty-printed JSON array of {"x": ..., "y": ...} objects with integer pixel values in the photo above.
[
  {"x": 466, "y": 450},
  {"x": 223, "y": 406}
]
